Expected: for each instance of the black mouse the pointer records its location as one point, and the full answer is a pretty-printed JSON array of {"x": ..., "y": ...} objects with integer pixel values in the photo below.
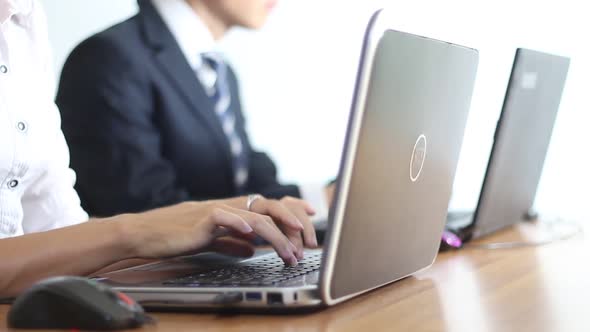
[{"x": 75, "y": 303}]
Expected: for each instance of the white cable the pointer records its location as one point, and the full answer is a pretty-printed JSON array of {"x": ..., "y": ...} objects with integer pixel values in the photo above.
[{"x": 554, "y": 236}]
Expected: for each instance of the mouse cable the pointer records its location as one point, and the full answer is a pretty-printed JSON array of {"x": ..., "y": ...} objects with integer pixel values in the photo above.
[{"x": 555, "y": 235}]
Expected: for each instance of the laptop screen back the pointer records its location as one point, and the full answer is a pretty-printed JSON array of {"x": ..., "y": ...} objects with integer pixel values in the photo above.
[
  {"x": 521, "y": 140},
  {"x": 407, "y": 124}
]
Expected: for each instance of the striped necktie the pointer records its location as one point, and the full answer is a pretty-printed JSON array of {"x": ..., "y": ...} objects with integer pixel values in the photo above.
[{"x": 220, "y": 94}]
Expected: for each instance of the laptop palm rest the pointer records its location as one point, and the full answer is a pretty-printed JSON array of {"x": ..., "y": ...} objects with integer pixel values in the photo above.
[{"x": 157, "y": 272}]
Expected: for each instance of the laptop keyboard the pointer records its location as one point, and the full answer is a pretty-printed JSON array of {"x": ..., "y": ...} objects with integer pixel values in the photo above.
[{"x": 267, "y": 271}]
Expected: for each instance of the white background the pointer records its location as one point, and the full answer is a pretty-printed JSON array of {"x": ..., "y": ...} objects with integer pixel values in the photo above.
[{"x": 297, "y": 77}]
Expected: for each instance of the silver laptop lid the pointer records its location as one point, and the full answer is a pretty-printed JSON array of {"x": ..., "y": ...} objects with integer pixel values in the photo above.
[
  {"x": 521, "y": 140},
  {"x": 406, "y": 127}
]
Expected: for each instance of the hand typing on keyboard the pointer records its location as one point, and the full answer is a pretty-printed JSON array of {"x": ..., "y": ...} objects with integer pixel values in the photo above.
[{"x": 225, "y": 226}]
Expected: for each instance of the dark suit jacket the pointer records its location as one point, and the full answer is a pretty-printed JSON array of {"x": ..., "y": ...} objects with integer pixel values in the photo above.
[{"x": 142, "y": 131}]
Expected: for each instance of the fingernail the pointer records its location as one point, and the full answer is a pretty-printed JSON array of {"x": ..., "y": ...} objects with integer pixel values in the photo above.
[
  {"x": 248, "y": 229},
  {"x": 300, "y": 254},
  {"x": 299, "y": 224},
  {"x": 293, "y": 261}
]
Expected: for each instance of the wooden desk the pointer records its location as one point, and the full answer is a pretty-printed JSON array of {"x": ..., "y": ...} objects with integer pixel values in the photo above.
[{"x": 530, "y": 289}]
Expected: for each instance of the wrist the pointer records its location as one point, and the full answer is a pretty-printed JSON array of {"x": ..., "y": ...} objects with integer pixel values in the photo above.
[{"x": 124, "y": 235}]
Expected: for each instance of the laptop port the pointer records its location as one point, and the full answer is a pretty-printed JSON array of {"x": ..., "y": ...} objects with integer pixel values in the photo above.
[
  {"x": 274, "y": 298},
  {"x": 253, "y": 296}
]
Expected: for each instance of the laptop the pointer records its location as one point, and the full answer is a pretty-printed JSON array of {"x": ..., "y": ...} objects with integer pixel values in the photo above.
[
  {"x": 403, "y": 140},
  {"x": 520, "y": 145}
]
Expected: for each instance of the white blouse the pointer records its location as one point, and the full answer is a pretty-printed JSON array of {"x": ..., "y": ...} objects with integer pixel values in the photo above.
[{"x": 36, "y": 183}]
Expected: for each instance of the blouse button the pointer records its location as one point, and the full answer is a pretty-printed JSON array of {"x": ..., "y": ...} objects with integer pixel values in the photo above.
[
  {"x": 13, "y": 184},
  {"x": 3, "y": 69},
  {"x": 21, "y": 126}
]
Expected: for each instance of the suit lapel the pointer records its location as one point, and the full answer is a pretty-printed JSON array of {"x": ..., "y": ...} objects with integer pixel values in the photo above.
[
  {"x": 186, "y": 81},
  {"x": 172, "y": 61}
]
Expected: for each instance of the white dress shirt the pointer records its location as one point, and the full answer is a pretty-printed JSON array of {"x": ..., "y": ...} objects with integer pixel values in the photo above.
[
  {"x": 195, "y": 39},
  {"x": 36, "y": 183}
]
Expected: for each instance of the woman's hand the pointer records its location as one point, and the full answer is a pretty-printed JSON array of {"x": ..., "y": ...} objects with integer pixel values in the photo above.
[
  {"x": 291, "y": 215},
  {"x": 224, "y": 226}
]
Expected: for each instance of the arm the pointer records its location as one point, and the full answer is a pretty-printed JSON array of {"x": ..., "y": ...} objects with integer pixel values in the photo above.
[
  {"x": 74, "y": 250},
  {"x": 108, "y": 118},
  {"x": 182, "y": 229}
]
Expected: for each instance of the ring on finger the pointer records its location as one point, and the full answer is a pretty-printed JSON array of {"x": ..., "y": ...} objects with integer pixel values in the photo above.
[{"x": 251, "y": 199}]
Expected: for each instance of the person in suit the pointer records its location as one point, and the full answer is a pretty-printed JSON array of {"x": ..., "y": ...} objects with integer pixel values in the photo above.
[{"x": 152, "y": 112}]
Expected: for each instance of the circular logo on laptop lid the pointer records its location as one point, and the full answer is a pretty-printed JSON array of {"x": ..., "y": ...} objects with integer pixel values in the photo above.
[{"x": 418, "y": 158}]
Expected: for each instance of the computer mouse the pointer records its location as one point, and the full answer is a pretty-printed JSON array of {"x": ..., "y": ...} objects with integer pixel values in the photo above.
[
  {"x": 450, "y": 240},
  {"x": 75, "y": 303}
]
